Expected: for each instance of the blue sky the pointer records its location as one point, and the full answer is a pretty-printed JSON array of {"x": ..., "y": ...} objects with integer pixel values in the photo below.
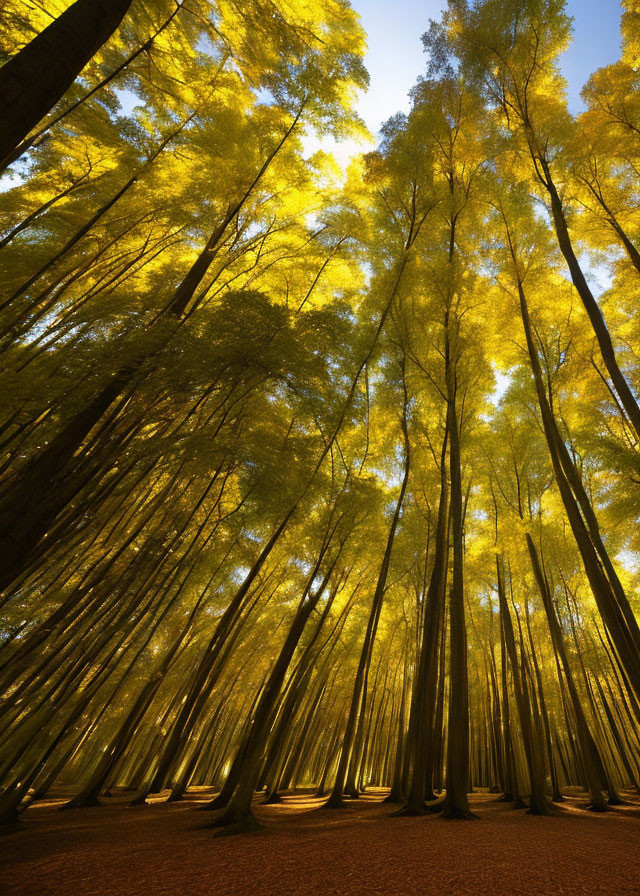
[{"x": 396, "y": 57}]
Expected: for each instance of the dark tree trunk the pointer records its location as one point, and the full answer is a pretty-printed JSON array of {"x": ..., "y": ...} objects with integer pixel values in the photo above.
[
  {"x": 36, "y": 138},
  {"x": 590, "y": 303},
  {"x": 456, "y": 802},
  {"x": 610, "y": 598},
  {"x": 32, "y": 81},
  {"x": 420, "y": 734}
]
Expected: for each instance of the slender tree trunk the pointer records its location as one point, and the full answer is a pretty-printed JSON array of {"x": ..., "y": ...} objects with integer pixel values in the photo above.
[
  {"x": 539, "y": 805},
  {"x": 335, "y": 801},
  {"x": 396, "y": 795},
  {"x": 238, "y": 817},
  {"x": 555, "y": 784},
  {"x": 44, "y": 487},
  {"x": 590, "y": 303},
  {"x": 420, "y": 734},
  {"x": 612, "y": 604},
  {"x": 591, "y": 759},
  {"x": 456, "y": 802}
]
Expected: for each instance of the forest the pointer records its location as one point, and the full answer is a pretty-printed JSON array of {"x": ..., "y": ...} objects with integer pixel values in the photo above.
[{"x": 319, "y": 486}]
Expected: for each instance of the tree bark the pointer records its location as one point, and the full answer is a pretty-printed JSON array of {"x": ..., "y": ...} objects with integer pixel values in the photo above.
[{"x": 32, "y": 81}]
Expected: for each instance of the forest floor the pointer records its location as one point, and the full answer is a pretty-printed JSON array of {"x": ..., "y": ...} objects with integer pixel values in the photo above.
[{"x": 168, "y": 850}]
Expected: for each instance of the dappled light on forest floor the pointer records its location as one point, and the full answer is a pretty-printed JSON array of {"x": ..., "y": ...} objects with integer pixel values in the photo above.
[{"x": 169, "y": 850}]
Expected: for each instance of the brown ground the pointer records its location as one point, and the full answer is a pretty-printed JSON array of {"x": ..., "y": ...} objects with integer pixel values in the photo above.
[{"x": 166, "y": 850}]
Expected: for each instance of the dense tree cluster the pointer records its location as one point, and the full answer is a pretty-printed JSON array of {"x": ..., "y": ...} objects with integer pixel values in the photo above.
[{"x": 311, "y": 477}]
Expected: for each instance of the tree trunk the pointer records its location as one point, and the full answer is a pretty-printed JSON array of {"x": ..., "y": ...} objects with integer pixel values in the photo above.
[
  {"x": 592, "y": 308},
  {"x": 421, "y": 720},
  {"x": 456, "y": 802},
  {"x": 612, "y": 604},
  {"x": 539, "y": 805},
  {"x": 37, "y": 77},
  {"x": 590, "y": 757},
  {"x": 30, "y": 505},
  {"x": 238, "y": 817},
  {"x": 335, "y": 801}
]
